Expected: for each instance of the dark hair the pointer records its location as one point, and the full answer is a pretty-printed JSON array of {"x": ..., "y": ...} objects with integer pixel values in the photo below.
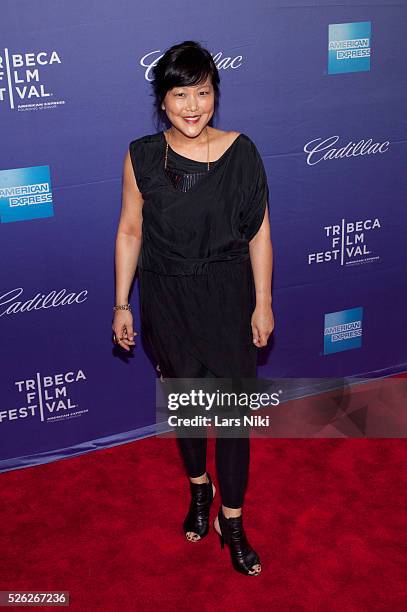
[{"x": 182, "y": 65}]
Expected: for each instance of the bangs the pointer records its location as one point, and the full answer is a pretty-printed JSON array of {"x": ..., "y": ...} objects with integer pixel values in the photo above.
[{"x": 187, "y": 70}]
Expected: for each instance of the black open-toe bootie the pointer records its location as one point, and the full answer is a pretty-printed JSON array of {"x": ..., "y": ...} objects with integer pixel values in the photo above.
[
  {"x": 197, "y": 519},
  {"x": 243, "y": 556}
]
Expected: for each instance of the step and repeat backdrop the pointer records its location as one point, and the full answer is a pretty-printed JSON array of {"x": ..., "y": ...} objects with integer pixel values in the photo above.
[{"x": 319, "y": 87}]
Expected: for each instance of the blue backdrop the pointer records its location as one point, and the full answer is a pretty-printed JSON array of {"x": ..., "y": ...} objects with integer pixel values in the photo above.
[{"x": 319, "y": 87}]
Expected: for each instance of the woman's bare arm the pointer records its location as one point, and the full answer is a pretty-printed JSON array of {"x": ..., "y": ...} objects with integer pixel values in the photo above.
[
  {"x": 129, "y": 233},
  {"x": 261, "y": 256}
]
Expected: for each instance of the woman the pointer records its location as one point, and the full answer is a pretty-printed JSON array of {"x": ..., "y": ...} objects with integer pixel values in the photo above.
[{"x": 195, "y": 220}]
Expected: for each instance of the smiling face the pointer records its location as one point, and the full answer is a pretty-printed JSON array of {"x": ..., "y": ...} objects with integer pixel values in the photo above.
[{"x": 190, "y": 108}]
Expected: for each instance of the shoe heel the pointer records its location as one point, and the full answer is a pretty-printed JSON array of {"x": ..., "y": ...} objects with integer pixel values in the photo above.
[
  {"x": 222, "y": 541},
  {"x": 220, "y": 536}
]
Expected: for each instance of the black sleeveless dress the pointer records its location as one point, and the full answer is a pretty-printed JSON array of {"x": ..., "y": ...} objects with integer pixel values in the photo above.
[{"x": 197, "y": 292}]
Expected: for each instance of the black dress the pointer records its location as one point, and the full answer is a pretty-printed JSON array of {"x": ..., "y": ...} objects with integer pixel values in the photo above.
[{"x": 197, "y": 292}]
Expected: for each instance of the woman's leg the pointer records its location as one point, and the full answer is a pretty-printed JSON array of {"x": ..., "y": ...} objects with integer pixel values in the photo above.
[
  {"x": 192, "y": 448},
  {"x": 193, "y": 452},
  {"x": 232, "y": 457}
]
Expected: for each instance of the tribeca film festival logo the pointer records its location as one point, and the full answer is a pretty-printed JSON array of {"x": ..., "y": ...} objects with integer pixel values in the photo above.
[
  {"x": 149, "y": 60},
  {"x": 347, "y": 243},
  {"x": 25, "y": 193},
  {"x": 47, "y": 398},
  {"x": 349, "y": 47},
  {"x": 343, "y": 330},
  {"x": 10, "y": 304},
  {"x": 324, "y": 150},
  {"x": 21, "y": 83}
]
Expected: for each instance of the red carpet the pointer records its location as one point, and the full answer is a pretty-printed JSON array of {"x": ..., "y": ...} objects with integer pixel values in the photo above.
[{"x": 327, "y": 517}]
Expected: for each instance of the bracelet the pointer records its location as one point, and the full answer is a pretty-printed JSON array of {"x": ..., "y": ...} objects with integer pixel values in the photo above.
[{"x": 122, "y": 307}]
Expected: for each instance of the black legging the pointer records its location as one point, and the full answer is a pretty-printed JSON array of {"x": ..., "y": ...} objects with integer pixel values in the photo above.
[
  {"x": 232, "y": 454},
  {"x": 232, "y": 464}
]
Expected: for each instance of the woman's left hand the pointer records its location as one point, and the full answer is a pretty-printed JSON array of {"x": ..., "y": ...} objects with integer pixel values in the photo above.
[{"x": 262, "y": 324}]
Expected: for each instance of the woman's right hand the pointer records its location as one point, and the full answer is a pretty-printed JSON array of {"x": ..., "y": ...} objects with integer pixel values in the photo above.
[{"x": 123, "y": 328}]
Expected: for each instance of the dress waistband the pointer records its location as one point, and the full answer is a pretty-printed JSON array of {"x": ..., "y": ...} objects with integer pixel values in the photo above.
[{"x": 164, "y": 264}]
